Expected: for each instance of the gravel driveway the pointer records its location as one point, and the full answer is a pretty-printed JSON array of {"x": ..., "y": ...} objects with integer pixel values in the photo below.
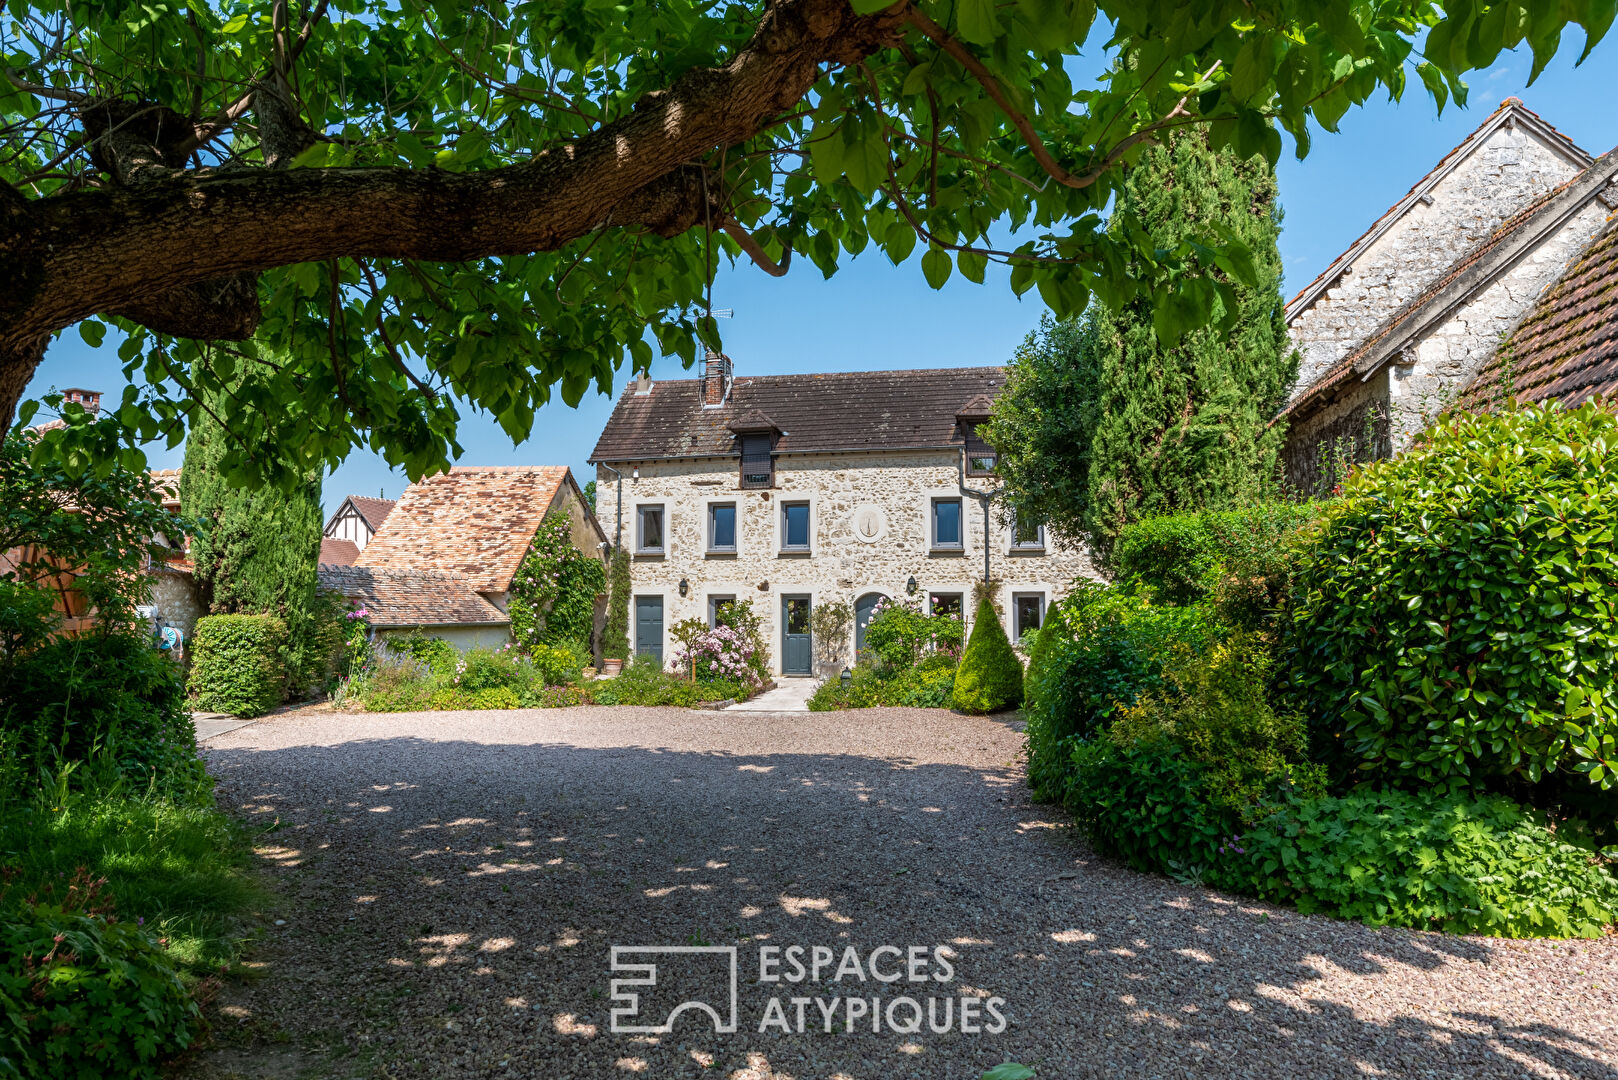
[{"x": 451, "y": 885}]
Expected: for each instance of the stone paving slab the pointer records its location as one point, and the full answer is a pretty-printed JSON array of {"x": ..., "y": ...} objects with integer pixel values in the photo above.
[
  {"x": 789, "y": 695},
  {"x": 209, "y": 724}
]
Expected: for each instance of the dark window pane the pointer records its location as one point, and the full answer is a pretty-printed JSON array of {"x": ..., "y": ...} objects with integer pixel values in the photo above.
[
  {"x": 723, "y": 531},
  {"x": 1027, "y": 614},
  {"x": 796, "y": 530},
  {"x": 947, "y": 523},
  {"x": 1027, "y": 534},
  {"x": 797, "y": 614},
  {"x": 947, "y": 604},
  {"x": 758, "y": 469},
  {"x": 981, "y": 463},
  {"x": 719, "y": 610},
  {"x": 651, "y": 529}
]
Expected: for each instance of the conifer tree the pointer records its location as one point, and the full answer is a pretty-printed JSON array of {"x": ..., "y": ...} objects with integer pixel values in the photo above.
[
  {"x": 259, "y": 550},
  {"x": 1133, "y": 428}
]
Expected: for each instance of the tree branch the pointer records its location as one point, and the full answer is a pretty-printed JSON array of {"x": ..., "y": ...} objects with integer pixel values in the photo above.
[
  {"x": 755, "y": 250},
  {"x": 83, "y": 252}
]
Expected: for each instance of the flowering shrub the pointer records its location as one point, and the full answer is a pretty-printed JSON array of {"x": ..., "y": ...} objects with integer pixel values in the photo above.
[
  {"x": 553, "y": 597},
  {"x": 720, "y": 654},
  {"x": 900, "y": 635},
  {"x": 357, "y": 643}
]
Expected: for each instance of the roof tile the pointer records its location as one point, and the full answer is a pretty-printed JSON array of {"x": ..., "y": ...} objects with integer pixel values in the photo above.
[
  {"x": 1567, "y": 347},
  {"x": 856, "y": 410},
  {"x": 403, "y": 598},
  {"x": 475, "y": 521}
]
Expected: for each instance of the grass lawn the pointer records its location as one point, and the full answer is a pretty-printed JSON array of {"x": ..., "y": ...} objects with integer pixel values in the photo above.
[{"x": 180, "y": 868}]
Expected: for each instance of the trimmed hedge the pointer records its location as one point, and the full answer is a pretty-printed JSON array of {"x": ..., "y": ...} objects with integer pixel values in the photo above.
[
  {"x": 990, "y": 676},
  {"x": 236, "y": 665},
  {"x": 1459, "y": 620},
  {"x": 1242, "y": 561}
]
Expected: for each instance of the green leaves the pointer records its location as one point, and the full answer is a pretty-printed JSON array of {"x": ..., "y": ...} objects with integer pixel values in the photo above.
[
  {"x": 1460, "y": 620},
  {"x": 974, "y": 137}
]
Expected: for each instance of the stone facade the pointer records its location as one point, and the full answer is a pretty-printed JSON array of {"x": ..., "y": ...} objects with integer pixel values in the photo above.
[
  {"x": 1513, "y": 159},
  {"x": 1407, "y": 319},
  {"x": 870, "y": 517}
]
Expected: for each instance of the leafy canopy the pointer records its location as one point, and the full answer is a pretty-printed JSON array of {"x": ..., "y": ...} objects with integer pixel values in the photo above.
[{"x": 955, "y": 131}]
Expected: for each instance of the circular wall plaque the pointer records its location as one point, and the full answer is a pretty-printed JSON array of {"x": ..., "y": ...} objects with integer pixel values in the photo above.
[{"x": 869, "y": 522}]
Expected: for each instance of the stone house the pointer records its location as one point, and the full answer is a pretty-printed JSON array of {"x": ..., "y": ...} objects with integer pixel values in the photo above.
[
  {"x": 1402, "y": 324},
  {"x": 794, "y": 491},
  {"x": 445, "y": 558},
  {"x": 351, "y": 527}
]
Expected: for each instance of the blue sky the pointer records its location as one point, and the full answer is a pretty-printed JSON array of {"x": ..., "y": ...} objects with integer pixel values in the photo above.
[{"x": 873, "y": 315}]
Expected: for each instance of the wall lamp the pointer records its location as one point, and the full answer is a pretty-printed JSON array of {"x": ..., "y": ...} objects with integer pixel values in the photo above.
[
  {"x": 910, "y": 586},
  {"x": 685, "y": 586}
]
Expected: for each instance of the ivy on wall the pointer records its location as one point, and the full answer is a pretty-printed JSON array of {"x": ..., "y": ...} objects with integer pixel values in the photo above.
[{"x": 553, "y": 598}]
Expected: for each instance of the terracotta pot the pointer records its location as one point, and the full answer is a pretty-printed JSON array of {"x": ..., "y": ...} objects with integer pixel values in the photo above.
[{"x": 609, "y": 668}]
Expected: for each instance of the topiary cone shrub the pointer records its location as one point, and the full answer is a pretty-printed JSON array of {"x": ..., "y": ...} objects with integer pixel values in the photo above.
[
  {"x": 990, "y": 676},
  {"x": 1458, "y": 620}
]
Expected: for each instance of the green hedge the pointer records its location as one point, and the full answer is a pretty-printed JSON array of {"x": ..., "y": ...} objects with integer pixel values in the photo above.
[
  {"x": 236, "y": 664},
  {"x": 1100, "y": 649},
  {"x": 1242, "y": 562},
  {"x": 990, "y": 676},
  {"x": 1387, "y": 857},
  {"x": 1459, "y": 620}
]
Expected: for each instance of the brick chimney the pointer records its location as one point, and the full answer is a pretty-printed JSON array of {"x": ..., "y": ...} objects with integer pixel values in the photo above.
[
  {"x": 716, "y": 379},
  {"x": 90, "y": 399}
]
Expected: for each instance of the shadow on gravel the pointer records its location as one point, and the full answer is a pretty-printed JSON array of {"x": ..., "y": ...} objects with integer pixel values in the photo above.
[{"x": 450, "y": 908}]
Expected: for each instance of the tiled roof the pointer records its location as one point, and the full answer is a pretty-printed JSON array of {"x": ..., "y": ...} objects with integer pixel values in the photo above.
[
  {"x": 403, "y": 598},
  {"x": 335, "y": 552},
  {"x": 477, "y": 522},
  {"x": 1510, "y": 109},
  {"x": 856, "y": 410},
  {"x": 374, "y": 511},
  {"x": 1567, "y": 347}
]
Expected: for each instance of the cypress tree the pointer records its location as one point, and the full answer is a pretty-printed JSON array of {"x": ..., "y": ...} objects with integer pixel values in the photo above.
[
  {"x": 615, "y": 635},
  {"x": 1141, "y": 429},
  {"x": 259, "y": 550}
]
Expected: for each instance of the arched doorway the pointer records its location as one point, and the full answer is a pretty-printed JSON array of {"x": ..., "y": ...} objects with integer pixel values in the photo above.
[{"x": 862, "y": 615}]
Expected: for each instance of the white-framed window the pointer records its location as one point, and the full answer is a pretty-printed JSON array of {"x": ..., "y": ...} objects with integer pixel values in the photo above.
[
  {"x": 796, "y": 527},
  {"x": 651, "y": 530},
  {"x": 717, "y": 606},
  {"x": 1027, "y": 612},
  {"x": 722, "y": 526},
  {"x": 1027, "y": 535},
  {"x": 948, "y": 527}
]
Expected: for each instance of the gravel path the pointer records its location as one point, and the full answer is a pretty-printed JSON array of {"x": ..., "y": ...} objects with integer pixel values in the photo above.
[{"x": 451, "y": 884}]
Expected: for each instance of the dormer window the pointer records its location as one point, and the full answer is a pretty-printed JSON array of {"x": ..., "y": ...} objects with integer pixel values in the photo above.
[
  {"x": 758, "y": 464},
  {"x": 981, "y": 458},
  {"x": 756, "y": 434}
]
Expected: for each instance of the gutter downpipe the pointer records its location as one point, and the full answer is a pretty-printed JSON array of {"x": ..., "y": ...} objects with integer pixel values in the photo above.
[
  {"x": 618, "y": 537},
  {"x": 983, "y": 496}
]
